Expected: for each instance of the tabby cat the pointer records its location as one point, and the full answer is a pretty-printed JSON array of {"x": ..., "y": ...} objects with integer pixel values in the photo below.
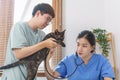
[{"x": 32, "y": 62}]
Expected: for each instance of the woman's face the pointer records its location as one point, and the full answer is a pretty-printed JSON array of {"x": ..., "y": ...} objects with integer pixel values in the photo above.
[{"x": 84, "y": 48}]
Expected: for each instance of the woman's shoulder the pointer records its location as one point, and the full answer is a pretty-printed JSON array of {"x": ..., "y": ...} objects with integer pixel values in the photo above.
[{"x": 100, "y": 57}]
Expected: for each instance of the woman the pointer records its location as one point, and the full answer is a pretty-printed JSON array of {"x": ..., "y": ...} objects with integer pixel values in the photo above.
[{"x": 85, "y": 63}]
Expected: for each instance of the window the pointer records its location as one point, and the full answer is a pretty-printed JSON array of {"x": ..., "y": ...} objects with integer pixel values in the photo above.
[{"x": 6, "y": 21}]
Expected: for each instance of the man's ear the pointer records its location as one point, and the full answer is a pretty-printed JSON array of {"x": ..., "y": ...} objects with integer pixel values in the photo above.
[{"x": 38, "y": 13}]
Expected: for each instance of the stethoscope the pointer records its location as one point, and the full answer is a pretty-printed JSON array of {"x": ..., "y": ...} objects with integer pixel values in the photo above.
[
  {"x": 75, "y": 60},
  {"x": 77, "y": 65}
]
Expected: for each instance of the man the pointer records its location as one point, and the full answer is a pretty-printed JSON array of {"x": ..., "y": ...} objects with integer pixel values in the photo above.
[{"x": 26, "y": 38}]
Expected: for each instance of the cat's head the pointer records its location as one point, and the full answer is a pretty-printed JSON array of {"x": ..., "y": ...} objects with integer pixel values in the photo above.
[{"x": 58, "y": 36}]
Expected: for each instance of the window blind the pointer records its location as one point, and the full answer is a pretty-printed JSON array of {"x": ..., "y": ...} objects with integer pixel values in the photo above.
[{"x": 6, "y": 21}]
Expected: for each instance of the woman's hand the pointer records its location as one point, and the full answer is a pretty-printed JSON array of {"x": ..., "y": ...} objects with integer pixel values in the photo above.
[{"x": 106, "y": 78}]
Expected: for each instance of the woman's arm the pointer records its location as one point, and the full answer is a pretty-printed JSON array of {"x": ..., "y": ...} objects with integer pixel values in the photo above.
[{"x": 106, "y": 78}]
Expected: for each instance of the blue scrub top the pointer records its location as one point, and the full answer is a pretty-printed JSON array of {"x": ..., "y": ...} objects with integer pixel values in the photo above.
[{"x": 97, "y": 68}]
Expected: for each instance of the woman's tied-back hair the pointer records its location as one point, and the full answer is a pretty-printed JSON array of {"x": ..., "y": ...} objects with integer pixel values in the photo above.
[
  {"x": 89, "y": 36},
  {"x": 44, "y": 8}
]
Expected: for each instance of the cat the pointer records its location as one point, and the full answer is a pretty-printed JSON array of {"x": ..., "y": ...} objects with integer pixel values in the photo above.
[{"x": 32, "y": 62}]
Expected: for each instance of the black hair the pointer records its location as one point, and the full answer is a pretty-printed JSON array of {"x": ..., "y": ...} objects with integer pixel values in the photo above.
[
  {"x": 44, "y": 8},
  {"x": 89, "y": 36}
]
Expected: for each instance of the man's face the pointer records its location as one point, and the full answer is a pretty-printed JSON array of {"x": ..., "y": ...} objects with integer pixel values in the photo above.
[{"x": 44, "y": 20}]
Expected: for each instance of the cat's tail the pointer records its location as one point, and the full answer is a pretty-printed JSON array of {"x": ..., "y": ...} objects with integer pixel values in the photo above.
[{"x": 10, "y": 65}]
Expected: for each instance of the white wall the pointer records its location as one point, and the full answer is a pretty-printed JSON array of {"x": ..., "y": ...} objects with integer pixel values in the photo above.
[{"x": 87, "y": 14}]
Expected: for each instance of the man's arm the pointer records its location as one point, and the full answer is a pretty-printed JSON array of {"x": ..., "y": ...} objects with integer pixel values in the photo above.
[{"x": 27, "y": 51}]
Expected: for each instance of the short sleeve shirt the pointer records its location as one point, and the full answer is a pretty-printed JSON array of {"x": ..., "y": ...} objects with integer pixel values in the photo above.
[
  {"x": 97, "y": 68},
  {"x": 21, "y": 35}
]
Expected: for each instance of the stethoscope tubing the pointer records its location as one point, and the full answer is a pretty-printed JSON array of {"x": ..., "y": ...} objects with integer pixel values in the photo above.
[{"x": 77, "y": 65}]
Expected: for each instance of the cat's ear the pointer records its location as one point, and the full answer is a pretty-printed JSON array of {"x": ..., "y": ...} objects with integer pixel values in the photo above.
[
  {"x": 63, "y": 32},
  {"x": 56, "y": 31}
]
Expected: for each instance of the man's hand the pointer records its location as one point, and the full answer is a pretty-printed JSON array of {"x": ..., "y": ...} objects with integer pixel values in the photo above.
[{"x": 50, "y": 43}]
